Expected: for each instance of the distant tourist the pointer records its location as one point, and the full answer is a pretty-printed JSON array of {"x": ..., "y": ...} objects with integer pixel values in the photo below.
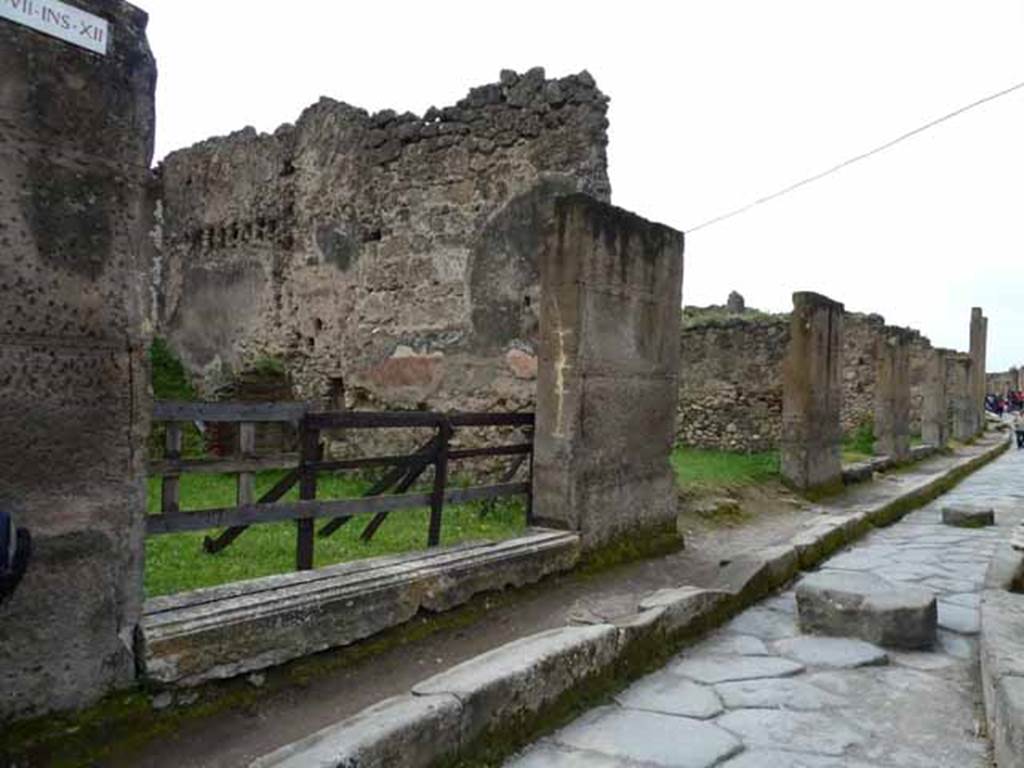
[{"x": 1018, "y": 427}]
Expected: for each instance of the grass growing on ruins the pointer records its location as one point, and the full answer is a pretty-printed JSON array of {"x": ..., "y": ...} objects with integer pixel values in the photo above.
[
  {"x": 177, "y": 562},
  {"x": 708, "y": 470},
  {"x": 859, "y": 444}
]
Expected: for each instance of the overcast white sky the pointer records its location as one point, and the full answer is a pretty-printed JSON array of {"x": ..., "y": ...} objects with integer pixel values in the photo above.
[{"x": 714, "y": 103}]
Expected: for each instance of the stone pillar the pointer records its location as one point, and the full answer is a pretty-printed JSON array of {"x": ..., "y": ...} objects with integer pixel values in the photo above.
[
  {"x": 812, "y": 394},
  {"x": 892, "y": 394},
  {"x": 934, "y": 409},
  {"x": 77, "y": 133},
  {"x": 607, "y": 384},
  {"x": 964, "y": 416},
  {"x": 979, "y": 379}
]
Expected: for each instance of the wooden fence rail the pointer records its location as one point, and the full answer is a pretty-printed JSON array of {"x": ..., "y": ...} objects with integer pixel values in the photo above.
[{"x": 390, "y": 493}]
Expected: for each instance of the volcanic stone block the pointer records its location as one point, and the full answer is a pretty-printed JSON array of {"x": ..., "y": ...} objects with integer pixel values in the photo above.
[
  {"x": 608, "y": 367},
  {"x": 979, "y": 381},
  {"x": 934, "y": 411},
  {"x": 869, "y": 607},
  {"x": 77, "y": 132},
  {"x": 961, "y": 405},
  {"x": 812, "y": 394},
  {"x": 892, "y": 395},
  {"x": 968, "y": 517}
]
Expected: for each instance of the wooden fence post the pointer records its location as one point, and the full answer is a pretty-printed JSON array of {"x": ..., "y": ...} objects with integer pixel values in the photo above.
[
  {"x": 170, "y": 487},
  {"x": 305, "y": 526},
  {"x": 444, "y": 434},
  {"x": 246, "y": 450}
]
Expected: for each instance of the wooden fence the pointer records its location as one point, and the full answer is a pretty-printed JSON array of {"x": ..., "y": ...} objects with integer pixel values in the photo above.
[{"x": 391, "y": 492}]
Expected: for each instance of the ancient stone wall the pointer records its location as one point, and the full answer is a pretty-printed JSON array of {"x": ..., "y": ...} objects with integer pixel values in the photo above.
[
  {"x": 730, "y": 381},
  {"x": 77, "y": 133},
  {"x": 387, "y": 260},
  {"x": 859, "y": 368}
]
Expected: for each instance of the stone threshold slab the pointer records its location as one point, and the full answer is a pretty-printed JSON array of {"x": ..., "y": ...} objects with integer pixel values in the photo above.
[{"x": 221, "y": 632}]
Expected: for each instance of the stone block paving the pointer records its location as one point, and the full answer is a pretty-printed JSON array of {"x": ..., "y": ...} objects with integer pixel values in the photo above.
[{"x": 759, "y": 694}]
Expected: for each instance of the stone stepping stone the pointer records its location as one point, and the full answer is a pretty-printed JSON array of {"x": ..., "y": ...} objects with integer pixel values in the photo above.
[
  {"x": 791, "y": 693},
  {"x": 959, "y": 619},
  {"x": 836, "y": 652},
  {"x": 723, "y": 669},
  {"x": 671, "y": 695},
  {"x": 963, "y": 516},
  {"x": 862, "y": 605},
  {"x": 649, "y": 737}
]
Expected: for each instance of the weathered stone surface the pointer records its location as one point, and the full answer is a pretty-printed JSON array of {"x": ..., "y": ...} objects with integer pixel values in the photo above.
[
  {"x": 964, "y": 516},
  {"x": 338, "y": 239},
  {"x": 648, "y": 737},
  {"x": 521, "y": 678},
  {"x": 765, "y": 758},
  {"x": 765, "y": 624},
  {"x": 892, "y": 395},
  {"x": 671, "y": 695},
  {"x": 609, "y": 360},
  {"x": 549, "y": 755},
  {"x": 799, "y": 731},
  {"x": 812, "y": 394},
  {"x": 818, "y": 542},
  {"x": 522, "y": 364},
  {"x": 977, "y": 371},
  {"x": 962, "y": 405},
  {"x": 403, "y": 732},
  {"x": 718, "y": 409},
  {"x": 837, "y": 652},
  {"x": 935, "y": 406},
  {"x": 790, "y": 693},
  {"x": 717, "y": 356},
  {"x": 867, "y": 606},
  {"x": 958, "y": 618},
  {"x": 226, "y": 631},
  {"x": 749, "y": 578},
  {"x": 77, "y": 140},
  {"x": 729, "y": 645},
  {"x": 686, "y": 607},
  {"x": 721, "y": 669}
]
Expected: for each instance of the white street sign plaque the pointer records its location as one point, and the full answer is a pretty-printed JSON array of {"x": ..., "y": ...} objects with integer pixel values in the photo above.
[{"x": 60, "y": 20}]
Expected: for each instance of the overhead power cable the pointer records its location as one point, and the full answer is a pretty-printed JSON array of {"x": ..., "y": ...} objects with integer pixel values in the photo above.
[{"x": 857, "y": 158}]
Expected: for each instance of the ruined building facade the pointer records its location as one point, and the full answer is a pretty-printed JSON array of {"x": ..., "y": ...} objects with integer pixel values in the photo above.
[{"x": 386, "y": 260}]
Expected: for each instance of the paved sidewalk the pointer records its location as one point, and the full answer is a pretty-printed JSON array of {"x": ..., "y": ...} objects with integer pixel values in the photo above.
[{"x": 759, "y": 694}]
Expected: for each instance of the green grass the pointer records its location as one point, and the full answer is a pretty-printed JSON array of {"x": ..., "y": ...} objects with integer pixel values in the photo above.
[
  {"x": 854, "y": 457},
  {"x": 177, "y": 562},
  {"x": 860, "y": 443},
  {"x": 708, "y": 470}
]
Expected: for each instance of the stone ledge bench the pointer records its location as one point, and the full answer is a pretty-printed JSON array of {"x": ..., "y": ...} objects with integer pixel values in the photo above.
[{"x": 225, "y": 631}]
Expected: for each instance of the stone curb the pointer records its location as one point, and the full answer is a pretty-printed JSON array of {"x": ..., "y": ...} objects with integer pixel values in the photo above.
[
  {"x": 505, "y": 695},
  {"x": 1002, "y": 656}
]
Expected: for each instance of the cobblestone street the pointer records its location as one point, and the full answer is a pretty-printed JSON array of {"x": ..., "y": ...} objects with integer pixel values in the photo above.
[{"x": 758, "y": 693}]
